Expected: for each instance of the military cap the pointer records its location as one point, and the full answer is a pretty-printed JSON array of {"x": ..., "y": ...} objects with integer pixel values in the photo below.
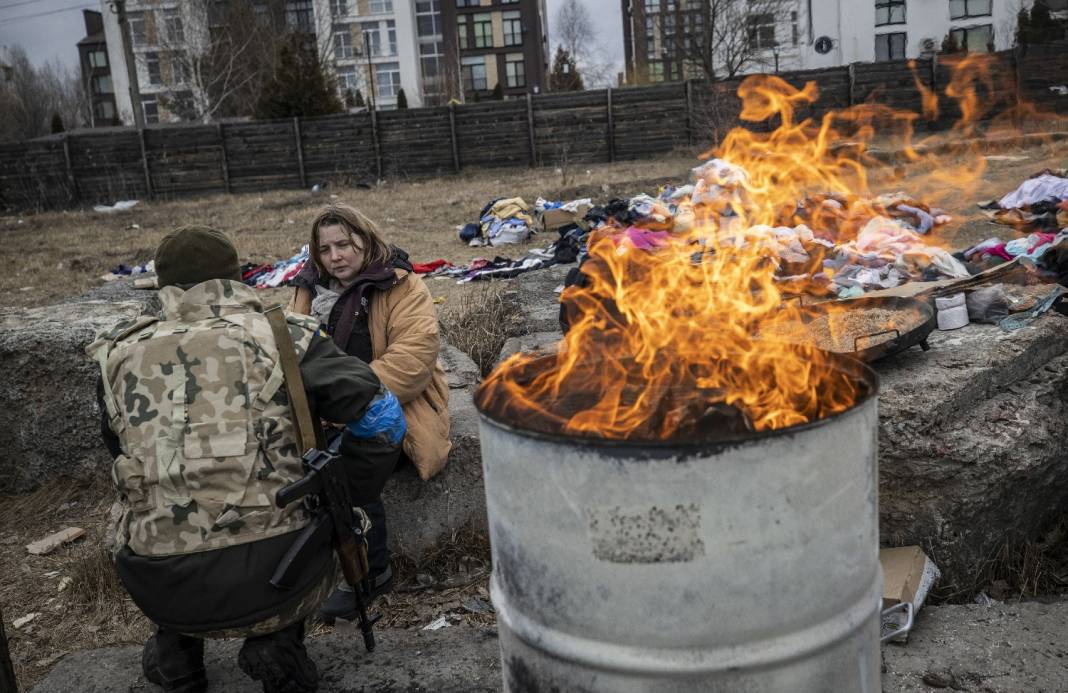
[{"x": 194, "y": 254}]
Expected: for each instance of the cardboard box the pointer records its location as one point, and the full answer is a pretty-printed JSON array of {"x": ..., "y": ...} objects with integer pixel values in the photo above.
[
  {"x": 553, "y": 219},
  {"x": 908, "y": 576}
]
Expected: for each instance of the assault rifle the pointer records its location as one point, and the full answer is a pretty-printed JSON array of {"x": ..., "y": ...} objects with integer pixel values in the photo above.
[{"x": 325, "y": 483}]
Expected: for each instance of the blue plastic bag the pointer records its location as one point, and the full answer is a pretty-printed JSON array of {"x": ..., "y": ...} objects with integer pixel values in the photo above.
[{"x": 383, "y": 418}]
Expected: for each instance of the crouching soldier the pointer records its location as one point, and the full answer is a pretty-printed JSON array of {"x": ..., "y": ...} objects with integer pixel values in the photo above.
[{"x": 197, "y": 416}]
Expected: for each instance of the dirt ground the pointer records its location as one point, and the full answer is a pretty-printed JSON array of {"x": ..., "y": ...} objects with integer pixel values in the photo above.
[{"x": 54, "y": 255}]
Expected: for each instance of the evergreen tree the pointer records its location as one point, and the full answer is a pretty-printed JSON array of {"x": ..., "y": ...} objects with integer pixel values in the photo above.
[
  {"x": 301, "y": 87},
  {"x": 498, "y": 92},
  {"x": 358, "y": 101},
  {"x": 565, "y": 75},
  {"x": 402, "y": 99},
  {"x": 57, "y": 123},
  {"x": 1023, "y": 27}
]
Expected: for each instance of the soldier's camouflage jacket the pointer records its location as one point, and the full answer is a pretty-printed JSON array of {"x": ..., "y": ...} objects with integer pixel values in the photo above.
[{"x": 197, "y": 400}]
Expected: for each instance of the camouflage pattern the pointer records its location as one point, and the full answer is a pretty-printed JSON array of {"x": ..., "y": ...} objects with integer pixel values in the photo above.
[
  {"x": 299, "y": 611},
  {"x": 197, "y": 400}
]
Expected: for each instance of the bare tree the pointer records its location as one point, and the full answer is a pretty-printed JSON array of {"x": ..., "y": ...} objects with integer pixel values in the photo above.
[
  {"x": 575, "y": 32},
  {"x": 30, "y": 95},
  {"x": 714, "y": 38}
]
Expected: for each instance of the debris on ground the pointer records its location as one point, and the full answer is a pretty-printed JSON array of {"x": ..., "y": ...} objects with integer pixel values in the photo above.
[{"x": 54, "y": 541}]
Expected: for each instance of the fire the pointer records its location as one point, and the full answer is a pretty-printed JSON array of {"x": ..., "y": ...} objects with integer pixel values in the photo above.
[{"x": 665, "y": 340}]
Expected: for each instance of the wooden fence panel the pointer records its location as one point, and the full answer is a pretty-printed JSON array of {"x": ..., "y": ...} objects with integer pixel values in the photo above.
[
  {"x": 262, "y": 155},
  {"x": 416, "y": 142},
  {"x": 184, "y": 160},
  {"x": 571, "y": 128},
  {"x": 338, "y": 148},
  {"x": 648, "y": 122},
  {"x": 33, "y": 175},
  {"x": 107, "y": 165},
  {"x": 1044, "y": 77},
  {"x": 493, "y": 134}
]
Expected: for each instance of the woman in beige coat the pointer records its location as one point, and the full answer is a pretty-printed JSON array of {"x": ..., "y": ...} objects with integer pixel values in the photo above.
[{"x": 366, "y": 296}]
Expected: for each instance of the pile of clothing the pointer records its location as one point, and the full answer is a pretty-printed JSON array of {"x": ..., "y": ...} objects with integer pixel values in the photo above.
[
  {"x": 1038, "y": 204},
  {"x": 503, "y": 221},
  {"x": 273, "y": 274},
  {"x": 481, "y": 269},
  {"x": 994, "y": 251}
]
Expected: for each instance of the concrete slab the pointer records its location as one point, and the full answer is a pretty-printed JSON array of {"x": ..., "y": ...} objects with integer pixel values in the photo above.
[
  {"x": 1006, "y": 648},
  {"x": 457, "y": 658},
  {"x": 50, "y": 424}
]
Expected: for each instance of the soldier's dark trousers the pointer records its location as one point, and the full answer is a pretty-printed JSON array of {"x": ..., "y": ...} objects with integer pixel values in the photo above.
[{"x": 175, "y": 662}]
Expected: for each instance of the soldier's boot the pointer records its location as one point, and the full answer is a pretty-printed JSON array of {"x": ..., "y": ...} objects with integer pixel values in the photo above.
[
  {"x": 279, "y": 661},
  {"x": 175, "y": 662}
]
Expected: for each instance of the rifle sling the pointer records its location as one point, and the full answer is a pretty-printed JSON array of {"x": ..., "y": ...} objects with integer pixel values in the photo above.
[{"x": 298, "y": 398}]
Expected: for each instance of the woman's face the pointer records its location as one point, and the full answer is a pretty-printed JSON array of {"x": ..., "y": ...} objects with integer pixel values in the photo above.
[{"x": 340, "y": 253}]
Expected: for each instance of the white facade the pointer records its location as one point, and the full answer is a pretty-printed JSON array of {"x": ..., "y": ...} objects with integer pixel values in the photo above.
[
  {"x": 918, "y": 28},
  {"x": 372, "y": 47}
]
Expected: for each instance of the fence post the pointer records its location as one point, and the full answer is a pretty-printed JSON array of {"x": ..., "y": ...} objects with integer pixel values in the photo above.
[
  {"x": 689, "y": 112},
  {"x": 530, "y": 131},
  {"x": 71, "y": 181},
  {"x": 300, "y": 151},
  {"x": 144, "y": 162},
  {"x": 611, "y": 126},
  {"x": 377, "y": 145},
  {"x": 452, "y": 137},
  {"x": 1017, "y": 91},
  {"x": 223, "y": 161},
  {"x": 852, "y": 72}
]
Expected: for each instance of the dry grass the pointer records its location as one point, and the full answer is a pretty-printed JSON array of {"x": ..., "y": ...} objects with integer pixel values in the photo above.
[
  {"x": 74, "y": 589},
  {"x": 1018, "y": 570},
  {"x": 58, "y": 254},
  {"x": 478, "y": 322}
]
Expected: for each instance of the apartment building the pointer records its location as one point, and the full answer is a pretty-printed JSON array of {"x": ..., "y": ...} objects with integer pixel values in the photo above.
[
  {"x": 496, "y": 45},
  {"x": 96, "y": 71},
  {"x": 664, "y": 38}
]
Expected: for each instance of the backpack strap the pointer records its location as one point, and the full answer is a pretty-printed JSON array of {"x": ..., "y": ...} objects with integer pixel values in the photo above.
[{"x": 298, "y": 398}]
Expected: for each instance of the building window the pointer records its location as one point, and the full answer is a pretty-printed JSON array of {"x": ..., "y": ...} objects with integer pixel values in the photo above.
[
  {"x": 300, "y": 15},
  {"x": 513, "y": 28},
  {"x": 346, "y": 78},
  {"x": 428, "y": 18},
  {"x": 104, "y": 111},
  {"x": 794, "y": 33},
  {"x": 960, "y": 9},
  {"x": 974, "y": 39},
  {"x": 339, "y": 8},
  {"x": 890, "y": 46},
  {"x": 172, "y": 23},
  {"x": 387, "y": 77},
  {"x": 430, "y": 59},
  {"x": 137, "y": 28},
  {"x": 98, "y": 59},
  {"x": 473, "y": 71},
  {"x": 467, "y": 3},
  {"x": 152, "y": 66},
  {"x": 656, "y": 71},
  {"x": 101, "y": 84},
  {"x": 462, "y": 39},
  {"x": 391, "y": 32},
  {"x": 178, "y": 72},
  {"x": 889, "y": 12},
  {"x": 483, "y": 30},
  {"x": 381, "y": 6},
  {"x": 342, "y": 43},
  {"x": 509, "y": 2},
  {"x": 150, "y": 108},
  {"x": 652, "y": 6},
  {"x": 372, "y": 40},
  {"x": 761, "y": 30},
  {"x": 515, "y": 72}
]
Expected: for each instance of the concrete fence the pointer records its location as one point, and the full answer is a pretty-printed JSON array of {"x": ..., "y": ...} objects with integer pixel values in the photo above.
[{"x": 588, "y": 127}]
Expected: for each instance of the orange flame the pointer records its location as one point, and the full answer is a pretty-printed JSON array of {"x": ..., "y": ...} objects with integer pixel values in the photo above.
[{"x": 666, "y": 333}]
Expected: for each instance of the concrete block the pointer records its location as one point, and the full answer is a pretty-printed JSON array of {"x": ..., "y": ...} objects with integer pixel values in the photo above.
[{"x": 50, "y": 424}]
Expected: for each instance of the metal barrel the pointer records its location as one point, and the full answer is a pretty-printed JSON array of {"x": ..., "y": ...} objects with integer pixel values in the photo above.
[{"x": 749, "y": 565}]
